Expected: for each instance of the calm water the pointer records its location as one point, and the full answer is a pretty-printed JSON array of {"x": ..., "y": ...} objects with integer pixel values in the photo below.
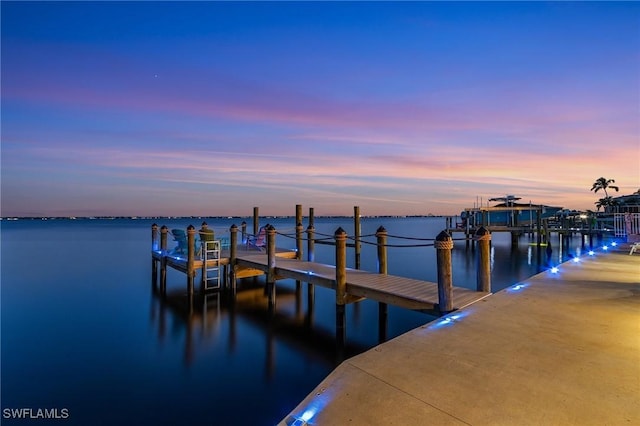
[{"x": 82, "y": 330}]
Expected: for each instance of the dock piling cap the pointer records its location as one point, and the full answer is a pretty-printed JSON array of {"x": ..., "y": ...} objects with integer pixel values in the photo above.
[
  {"x": 443, "y": 236},
  {"x": 381, "y": 229},
  {"x": 339, "y": 232},
  {"x": 482, "y": 231}
]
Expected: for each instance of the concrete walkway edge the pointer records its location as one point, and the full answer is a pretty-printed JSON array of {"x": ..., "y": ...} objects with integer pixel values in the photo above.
[{"x": 556, "y": 349}]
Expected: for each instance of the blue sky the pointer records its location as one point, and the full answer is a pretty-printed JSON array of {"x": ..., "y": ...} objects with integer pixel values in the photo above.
[{"x": 211, "y": 108}]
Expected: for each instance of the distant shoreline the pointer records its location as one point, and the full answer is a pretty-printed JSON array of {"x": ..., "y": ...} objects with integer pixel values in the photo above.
[{"x": 13, "y": 218}]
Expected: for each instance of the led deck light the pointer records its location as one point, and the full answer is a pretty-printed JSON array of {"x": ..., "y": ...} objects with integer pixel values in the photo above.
[
  {"x": 517, "y": 287},
  {"x": 554, "y": 270},
  {"x": 576, "y": 259},
  {"x": 605, "y": 248},
  {"x": 591, "y": 252},
  {"x": 613, "y": 244},
  {"x": 449, "y": 319}
]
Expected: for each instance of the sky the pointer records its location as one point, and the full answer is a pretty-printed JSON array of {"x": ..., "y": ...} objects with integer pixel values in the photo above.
[{"x": 412, "y": 108}]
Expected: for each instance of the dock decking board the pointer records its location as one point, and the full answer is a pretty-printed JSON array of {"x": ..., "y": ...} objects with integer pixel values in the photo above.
[
  {"x": 404, "y": 292},
  {"x": 407, "y": 293}
]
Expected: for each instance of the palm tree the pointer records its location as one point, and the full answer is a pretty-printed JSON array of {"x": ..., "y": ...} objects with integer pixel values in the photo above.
[
  {"x": 602, "y": 183},
  {"x": 606, "y": 202}
]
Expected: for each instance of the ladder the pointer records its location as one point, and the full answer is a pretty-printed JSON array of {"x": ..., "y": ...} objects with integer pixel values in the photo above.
[{"x": 211, "y": 264}]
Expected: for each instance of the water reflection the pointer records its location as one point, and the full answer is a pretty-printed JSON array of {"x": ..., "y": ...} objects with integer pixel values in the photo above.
[{"x": 290, "y": 321}]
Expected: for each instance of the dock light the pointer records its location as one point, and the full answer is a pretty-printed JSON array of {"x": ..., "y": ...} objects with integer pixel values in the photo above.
[
  {"x": 554, "y": 270},
  {"x": 591, "y": 252},
  {"x": 576, "y": 259},
  {"x": 613, "y": 244},
  {"x": 448, "y": 320},
  {"x": 305, "y": 417},
  {"x": 517, "y": 287},
  {"x": 317, "y": 404},
  {"x": 605, "y": 248}
]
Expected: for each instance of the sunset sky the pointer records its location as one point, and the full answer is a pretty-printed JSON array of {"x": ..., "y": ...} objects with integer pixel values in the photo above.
[{"x": 203, "y": 108}]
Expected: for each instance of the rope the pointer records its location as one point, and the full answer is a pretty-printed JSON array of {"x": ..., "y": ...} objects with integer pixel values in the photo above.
[
  {"x": 408, "y": 245},
  {"x": 483, "y": 237},
  {"x": 392, "y": 245},
  {"x": 410, "y": 238},
  {"x": 448, "y": 244},
  {"x": 443, "y": 245}
]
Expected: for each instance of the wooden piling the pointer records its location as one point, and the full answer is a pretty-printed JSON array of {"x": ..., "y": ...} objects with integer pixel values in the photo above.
[
  {"x": 311, "y": 218},
  {"x": 154, "y": 262},
  {"x": 244, "y": 232},
  {"x": 443, "y": 245},
  {"x": 298, "y": 213},
  {"x": 539, "y": 226},
  {"x": 545, "y": 226},
  {"x": 310, "y": 243},
  {"x": 256, "y": 220},
  {"x": 310, "y": 258},
  {"x": 356, "y": 235},
  {"x": 299, "y": 249},
  {"x": 341, "y": 284},
  {"x": 154, "y": 237},
  {"x": 233, "y": 254},
  {"x": 191, "y": 249},
  {"x": 271, "y": 262},
  {"x": 515, "y": 235},
  {"x": 483, "y": 237},
  {"x": 163, "y": 264},
  {"x": 381, "y": 236}
]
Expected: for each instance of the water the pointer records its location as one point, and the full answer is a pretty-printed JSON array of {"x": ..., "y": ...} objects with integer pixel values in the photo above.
[{"x": 82, "y": 330}]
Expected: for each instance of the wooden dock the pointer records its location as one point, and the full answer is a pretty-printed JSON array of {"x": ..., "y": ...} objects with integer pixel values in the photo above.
[
  {"x": 399, "y": 291},
  {"x": 350, "y": 285},
  {"x": 561, "y": 349}
]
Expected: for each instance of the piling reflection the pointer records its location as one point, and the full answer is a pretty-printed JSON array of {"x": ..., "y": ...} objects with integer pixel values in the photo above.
[
  {"x": 219, "y": 319},
  {"x": 511, "y": 263},
  {"x": 198, "y": 321}
]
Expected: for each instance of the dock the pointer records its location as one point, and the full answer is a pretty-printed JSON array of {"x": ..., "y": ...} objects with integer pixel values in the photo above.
[
  {"x": 559, "y": 348},
  {"x": 351, "y": 285},
  {"x": 404, "y": 292}
]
